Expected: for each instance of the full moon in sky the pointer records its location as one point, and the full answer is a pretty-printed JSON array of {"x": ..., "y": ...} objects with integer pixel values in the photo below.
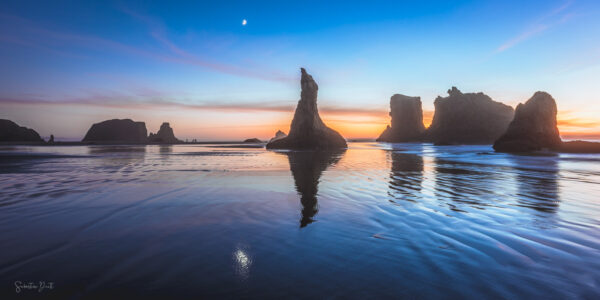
[{"x": 244, "y": 22}]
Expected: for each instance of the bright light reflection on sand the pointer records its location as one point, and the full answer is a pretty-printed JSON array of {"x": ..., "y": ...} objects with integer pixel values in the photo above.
[{"x": 242, "y": 263}]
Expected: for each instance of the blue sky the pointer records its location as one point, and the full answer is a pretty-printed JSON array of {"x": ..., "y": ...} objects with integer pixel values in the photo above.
[{"x": 68, "y": 64}]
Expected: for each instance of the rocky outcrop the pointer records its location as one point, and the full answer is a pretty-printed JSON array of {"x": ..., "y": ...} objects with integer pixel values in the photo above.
[
  {"x": 117, "y": 131},
  {"x": 278, "y": 135},
  {"x": 308, "y": 130},
  {"x": 407, "y": 120},
  {"x": 533, "y": 127},
  {"x": 12, "y": 132},
  {"x": 252, "y": 140},
  {"x": 164, "y": 135},
  {"x": 471, "y": 118},
  {"x": 579, "y": 147}
]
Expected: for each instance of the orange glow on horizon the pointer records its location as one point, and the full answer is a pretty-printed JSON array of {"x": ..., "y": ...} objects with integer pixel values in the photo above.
[{"x": 72, "y": 121}]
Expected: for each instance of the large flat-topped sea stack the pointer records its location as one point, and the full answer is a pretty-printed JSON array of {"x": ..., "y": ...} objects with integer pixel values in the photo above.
[
  {"x": 471, "y": 118},
  {"x": 534, "y": 127},
  {"x": 12, "y": 132},
  {"x": 308, "y": 132},
  {"x": 117, "y": 131},
  {"x": 164, "y": 135},
  {"x": 407, "y": 120}
]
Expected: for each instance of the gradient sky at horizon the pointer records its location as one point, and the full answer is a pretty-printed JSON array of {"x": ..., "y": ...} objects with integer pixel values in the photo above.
[{"x": 68, "y": 64}]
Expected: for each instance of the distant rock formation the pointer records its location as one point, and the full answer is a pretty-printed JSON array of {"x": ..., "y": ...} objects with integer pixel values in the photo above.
[
  {"x": 533, "y": 127},
  {"x": 471, "y": 118},
  {"x": 579, "y": 147},
  {"x": 278, "y": 135},
  {"x": 51, "y": 139},
  {"x": 407, "y": 120},
  {"x": 116, "y": 130},
  {"x": 308, "y": 130},
  {"x": 12, "y": 132},
  {"x": 252, "y": 140},
  {"x": 164, "y": 135}
]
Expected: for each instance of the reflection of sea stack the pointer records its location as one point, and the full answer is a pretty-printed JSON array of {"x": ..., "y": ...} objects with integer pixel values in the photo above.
[
  {"x": 307, "y": 167},
  {"x": 124, "y": 131},
  {"x": 406, "y": 176},
  {"x": 533, "y": 128},
  {"x": 471, "y": 118},
  {"x": 538, "y": 189},
  {"x": 308, "y": 130},
  {"x": 11, "y": 132},
  {"x": 278, "y": 135},
  {"x": 164, "y": 135},
  {"x": 407, "y": 120}
]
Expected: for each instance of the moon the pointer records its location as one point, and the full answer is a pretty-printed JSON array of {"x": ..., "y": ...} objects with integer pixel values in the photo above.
[{"x": 244, "y": 22}]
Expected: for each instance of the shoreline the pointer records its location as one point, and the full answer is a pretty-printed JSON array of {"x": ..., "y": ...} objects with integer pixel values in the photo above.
[
  {"x": 122, "y": 143},
  {"x": 568, "y": 147}
]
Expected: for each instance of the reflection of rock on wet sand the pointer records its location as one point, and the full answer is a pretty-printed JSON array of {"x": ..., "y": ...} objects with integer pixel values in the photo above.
[
  {"x": 464, "y": 183},
  {"x": 116, "y": 149},
  {"x": 165, "y": 149},
  {"x": 406, "y": 176},
  {"x": 538, "y": 188},
  {"x": 479, "y": 186},
  {"x": 307, "y": 167},
  {"x": 118, "y": 157}
]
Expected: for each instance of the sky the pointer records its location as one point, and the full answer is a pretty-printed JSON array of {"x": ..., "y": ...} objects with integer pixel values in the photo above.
[{"x": 65, "y": 65}]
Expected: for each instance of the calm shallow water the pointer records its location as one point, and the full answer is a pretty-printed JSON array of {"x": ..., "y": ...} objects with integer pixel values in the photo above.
[{"x": 376, "y": 220}]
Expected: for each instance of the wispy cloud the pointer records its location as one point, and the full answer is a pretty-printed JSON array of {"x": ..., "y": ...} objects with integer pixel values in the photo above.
[
  {"x": 119, "y": 101},
  {"x": 523, "y": 37},
  {"x": 555, "y": 17},
  {"x": 584, "y": 59},
  {"x": 158, "y": 31},
  {"x": 26, "y": 33},
  {"x": 573, "y": 123}
]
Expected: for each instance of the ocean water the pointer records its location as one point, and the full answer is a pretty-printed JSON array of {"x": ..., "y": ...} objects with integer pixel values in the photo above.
[{"x": 221, "y": 221}]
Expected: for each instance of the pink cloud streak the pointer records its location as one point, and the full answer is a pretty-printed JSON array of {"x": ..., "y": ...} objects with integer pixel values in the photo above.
[{"x": 30, "y": 34}]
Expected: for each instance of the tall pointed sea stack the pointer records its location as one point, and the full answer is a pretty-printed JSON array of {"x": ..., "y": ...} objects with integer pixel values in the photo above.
[
  {"x": 533, "y": 128},
  {"x": 308, "y": 132},
  {"x": 407, "y": 120}
]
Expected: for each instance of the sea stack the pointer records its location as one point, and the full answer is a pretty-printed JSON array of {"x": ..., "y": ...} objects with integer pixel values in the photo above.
[
  {"x": 164, "y": 135},
  {"x": 253, "y": 140},
  {"x": 407, "y": 120},
  {"x": 308, "y": 132},
  {"x": 533, "y": 127},
  {"x": 278, "y": 135},
  {"x": 117, "y": 131},
  {"x": 471, "y": 118},
  {"x": 12, "y": 132}
]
